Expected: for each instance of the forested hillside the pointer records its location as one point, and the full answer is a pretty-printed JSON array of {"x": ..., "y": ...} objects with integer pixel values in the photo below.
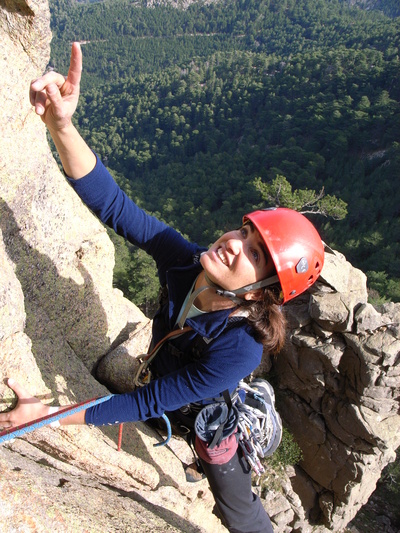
[
  {"x": 388, "y": 7},
  {"x": 189, "y": 107}
]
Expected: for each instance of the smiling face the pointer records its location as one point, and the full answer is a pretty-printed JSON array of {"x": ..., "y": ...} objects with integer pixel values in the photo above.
[{"x": 238, "y": 258}]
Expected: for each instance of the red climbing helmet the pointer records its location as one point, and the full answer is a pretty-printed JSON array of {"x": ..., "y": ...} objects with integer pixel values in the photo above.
[{"x": 294, "y": 245}]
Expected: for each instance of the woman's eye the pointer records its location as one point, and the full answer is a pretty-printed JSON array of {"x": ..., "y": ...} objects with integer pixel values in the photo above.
[
  {"x": 243, "y": 231},
  {"x": 256, "y": 255}
]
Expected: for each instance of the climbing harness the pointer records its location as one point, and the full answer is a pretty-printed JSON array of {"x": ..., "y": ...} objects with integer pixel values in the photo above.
[{"x": 256, "y": 423}]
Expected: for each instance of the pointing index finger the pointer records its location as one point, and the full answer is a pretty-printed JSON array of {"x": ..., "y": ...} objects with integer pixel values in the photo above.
[{"x": 75, "y": 67}]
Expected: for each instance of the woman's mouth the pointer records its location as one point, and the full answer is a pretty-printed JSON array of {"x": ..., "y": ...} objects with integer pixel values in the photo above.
[{"x": 222, "y": 256}]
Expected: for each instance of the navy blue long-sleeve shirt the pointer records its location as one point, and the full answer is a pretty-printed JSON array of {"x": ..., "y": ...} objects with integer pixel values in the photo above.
[{"x": 232, "y": 355}]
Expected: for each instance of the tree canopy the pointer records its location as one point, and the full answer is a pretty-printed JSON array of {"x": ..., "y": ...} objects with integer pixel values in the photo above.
[
  {"x": 206, "y": 113},
  {"x": 279, "y": 193}
]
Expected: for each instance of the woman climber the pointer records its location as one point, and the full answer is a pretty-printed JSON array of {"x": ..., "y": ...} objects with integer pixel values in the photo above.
[{"x": 229, "y": 294}]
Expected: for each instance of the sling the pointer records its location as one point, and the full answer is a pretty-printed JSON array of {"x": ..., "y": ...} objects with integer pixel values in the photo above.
[{"x": 143, "y": 374}]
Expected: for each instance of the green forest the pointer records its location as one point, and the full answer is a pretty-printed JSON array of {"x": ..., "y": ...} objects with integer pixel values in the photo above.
[{"x": 198, "y": 111}]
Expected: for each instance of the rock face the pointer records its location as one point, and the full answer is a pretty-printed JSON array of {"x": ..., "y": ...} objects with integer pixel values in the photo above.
[
  {"x": 337, "y": 379},
  {"x": 58, "y": 315},
  {"x": 339, "y": 390}
]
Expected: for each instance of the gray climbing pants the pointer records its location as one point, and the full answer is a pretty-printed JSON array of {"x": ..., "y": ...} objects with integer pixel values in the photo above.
[{"x": 239, "y": 509}]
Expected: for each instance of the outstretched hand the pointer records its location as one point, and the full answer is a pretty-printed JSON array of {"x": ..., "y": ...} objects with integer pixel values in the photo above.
[
  {"x": 28, "y": 408},
  {"x": 54, "y": 97}
]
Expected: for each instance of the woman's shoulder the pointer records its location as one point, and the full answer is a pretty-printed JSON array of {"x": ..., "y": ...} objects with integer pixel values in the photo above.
[{"x": 238, "y": 339}]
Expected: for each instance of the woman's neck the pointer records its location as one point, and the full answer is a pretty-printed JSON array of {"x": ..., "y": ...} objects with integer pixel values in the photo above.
[{"x": 209, "y": 300}]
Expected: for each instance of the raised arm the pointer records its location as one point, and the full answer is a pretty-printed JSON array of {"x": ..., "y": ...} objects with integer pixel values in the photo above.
[{"x": 55, "y": 99}]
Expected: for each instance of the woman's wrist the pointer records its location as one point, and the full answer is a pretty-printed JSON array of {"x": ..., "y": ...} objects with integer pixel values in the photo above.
[
  {"x": 60, "y": 129},
  {"x": 77, "y": 158},
  {"x": 77, "y": 417},
  {"x": 52, "y": 410}
]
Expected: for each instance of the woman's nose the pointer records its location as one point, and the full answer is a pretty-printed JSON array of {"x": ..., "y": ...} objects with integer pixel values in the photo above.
[{"x": 234, "y": 246}]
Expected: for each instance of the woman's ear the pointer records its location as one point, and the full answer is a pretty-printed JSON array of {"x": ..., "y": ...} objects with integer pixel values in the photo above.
[{"x": 253, "y": 295}]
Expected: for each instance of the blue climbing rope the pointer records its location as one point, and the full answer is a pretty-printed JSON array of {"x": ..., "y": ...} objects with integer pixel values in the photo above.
[{"x": 17, "y": 431}]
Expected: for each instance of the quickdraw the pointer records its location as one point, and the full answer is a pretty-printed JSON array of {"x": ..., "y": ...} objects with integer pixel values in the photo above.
[{"x": 260, "y": 426}]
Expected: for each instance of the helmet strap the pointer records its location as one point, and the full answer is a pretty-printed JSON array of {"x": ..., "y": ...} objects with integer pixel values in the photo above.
[{"x": 233, "y": 294}]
